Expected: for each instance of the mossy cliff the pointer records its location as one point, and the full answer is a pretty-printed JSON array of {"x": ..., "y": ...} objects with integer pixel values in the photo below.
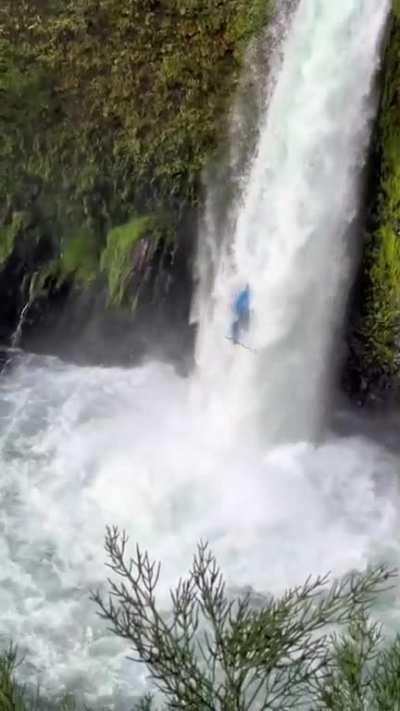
[
  {"x": 374, "y": 366},
  {"x": 109, "y": 111}
]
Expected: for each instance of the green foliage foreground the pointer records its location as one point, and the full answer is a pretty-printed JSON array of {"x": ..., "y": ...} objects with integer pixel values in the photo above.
[{"x": 313, "y": 648}]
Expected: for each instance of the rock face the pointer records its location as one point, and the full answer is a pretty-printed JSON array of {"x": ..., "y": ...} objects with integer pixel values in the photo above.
[
  {"x": 372, "y": 371},
  {"x": 110, "y": 110},
  {"x": 79, "y": 323}
]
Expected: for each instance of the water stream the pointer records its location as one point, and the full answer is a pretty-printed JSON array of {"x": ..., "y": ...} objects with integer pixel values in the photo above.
[
  {"x": 294, "y": 233},
  {"x": 241, "y": 453}
]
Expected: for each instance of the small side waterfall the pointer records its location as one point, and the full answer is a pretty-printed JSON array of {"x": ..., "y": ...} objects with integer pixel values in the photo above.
[
  {"x": 15, "y": 338},
  {"x": 33, "y": 293},
  {"x": 293, "y": 225}
]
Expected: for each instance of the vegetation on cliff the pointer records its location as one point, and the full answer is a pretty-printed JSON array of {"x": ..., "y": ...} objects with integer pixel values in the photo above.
[
  {"x": 125, "y": 252},
  {"x": 378, "y": 331},
  {"x": 109, "y": 111}
]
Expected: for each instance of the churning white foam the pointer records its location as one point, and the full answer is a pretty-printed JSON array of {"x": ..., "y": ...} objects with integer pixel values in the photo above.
[{"x": 86, "y": 447}]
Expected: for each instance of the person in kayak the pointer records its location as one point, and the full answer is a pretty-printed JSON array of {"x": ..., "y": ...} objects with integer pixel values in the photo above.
[{"x": 241, "y": 310}]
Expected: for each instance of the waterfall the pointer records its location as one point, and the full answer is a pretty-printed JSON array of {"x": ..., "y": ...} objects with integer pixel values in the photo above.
[
  {"x": 18, "y": 331},
  {"x": 294, "y": 226},
  {"x": 34, "y": 290},
  {"x": 172, "y": 460}
]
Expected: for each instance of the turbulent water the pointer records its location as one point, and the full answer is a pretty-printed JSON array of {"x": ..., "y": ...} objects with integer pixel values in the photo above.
[{"x": 235, "y": 454}]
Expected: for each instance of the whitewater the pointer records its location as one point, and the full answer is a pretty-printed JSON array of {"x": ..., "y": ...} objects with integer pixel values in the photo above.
[{"x": 242, "y": 452}]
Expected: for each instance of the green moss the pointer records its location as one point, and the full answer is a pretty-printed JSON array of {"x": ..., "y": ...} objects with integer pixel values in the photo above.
[
  {"x": 118, "y": 258},
  {"x": 131, "y": 96},
  {"x": 250, "y": 20},
  {"x": 25, "y": 97},
  {"x": 8, "y": 235},
  {"x": 7, "y": 238},
  {"x": 381, "y": 320},
  {"x": 79, "y": 256}
]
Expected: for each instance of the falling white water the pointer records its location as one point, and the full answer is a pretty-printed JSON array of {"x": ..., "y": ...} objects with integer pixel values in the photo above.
[
  {"x": 159, "y": 455},
  {"x": 15, "y": 339},
  {"x": 293, "y": 227}
]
